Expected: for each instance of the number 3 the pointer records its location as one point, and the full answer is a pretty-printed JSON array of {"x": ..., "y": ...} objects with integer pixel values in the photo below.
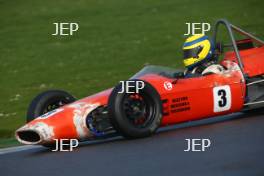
[{"x": 222, "y": 98}]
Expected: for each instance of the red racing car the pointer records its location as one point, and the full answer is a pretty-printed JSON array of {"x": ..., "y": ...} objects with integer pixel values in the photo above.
[{"x": 156, "y": 96}]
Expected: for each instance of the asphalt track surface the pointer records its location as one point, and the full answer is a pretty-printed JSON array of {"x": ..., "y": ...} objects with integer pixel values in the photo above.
[{"x": 237, "y": 150}]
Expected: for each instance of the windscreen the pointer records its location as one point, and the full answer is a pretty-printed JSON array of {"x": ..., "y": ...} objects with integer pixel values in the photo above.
[{"x": 159, "y": 70}]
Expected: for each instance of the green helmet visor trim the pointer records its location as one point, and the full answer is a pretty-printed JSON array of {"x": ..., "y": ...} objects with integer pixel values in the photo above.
[{"x": 192, "y": 53}]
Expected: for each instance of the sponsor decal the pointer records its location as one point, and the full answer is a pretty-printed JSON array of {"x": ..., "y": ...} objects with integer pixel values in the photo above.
[
  {"x": 175, "y": 105},
  {"x": 180, "y": 104},
  {"x": 167, "y": 85}
]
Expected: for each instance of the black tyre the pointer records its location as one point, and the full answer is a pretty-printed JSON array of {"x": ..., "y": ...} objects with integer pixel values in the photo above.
[
  {"x": 48, "y": 101},
  {"x": 135, "y": 115}
]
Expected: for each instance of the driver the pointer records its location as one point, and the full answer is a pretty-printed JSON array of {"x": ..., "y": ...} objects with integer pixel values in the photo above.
[{"x": 199, "y": 57}]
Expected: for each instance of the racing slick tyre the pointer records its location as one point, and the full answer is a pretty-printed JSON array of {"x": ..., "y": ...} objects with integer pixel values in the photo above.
[
  {"x": 137, "y": 114},
  {"x": 48, "y": 101}
]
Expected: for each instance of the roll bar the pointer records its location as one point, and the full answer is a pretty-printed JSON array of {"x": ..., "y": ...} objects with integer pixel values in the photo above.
[{"x": 230, "y": 29}]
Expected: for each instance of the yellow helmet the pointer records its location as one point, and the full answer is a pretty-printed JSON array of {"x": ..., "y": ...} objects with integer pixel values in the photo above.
[{"x": 196, "y": 50}]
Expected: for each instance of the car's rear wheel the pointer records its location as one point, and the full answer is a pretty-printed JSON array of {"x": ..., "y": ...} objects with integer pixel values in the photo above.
[
  {"x": 48, "y": 101},
  {"x": 135, "y": 115}
]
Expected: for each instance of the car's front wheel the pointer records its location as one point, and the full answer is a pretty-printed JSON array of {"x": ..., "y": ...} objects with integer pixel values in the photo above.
[{"x": 48, "y": 101}]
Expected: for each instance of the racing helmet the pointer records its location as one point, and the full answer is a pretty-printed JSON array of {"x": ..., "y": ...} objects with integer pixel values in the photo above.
[{"x": 197, "y": 49}]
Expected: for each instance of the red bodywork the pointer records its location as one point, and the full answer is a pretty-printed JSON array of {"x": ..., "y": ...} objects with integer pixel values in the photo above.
[
  {"x": 253, "y": 60},
  {"x": 188, "y": 99}
]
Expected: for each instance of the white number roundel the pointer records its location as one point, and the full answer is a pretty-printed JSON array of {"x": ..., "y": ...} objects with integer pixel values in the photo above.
[{"x": 222, "y": 98}]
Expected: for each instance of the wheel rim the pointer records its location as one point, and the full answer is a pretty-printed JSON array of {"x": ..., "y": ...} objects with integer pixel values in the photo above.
[
  {"x": 138, "y": 109},
  {"x": 54, "y": 105}
]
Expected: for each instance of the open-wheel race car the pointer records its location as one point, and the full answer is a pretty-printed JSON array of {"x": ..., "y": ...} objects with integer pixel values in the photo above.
[{"x": 154, "y": 97}]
